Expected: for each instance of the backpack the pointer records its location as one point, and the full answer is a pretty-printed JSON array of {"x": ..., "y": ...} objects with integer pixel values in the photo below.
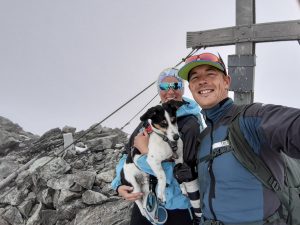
[{"x": 289, "y": 194}]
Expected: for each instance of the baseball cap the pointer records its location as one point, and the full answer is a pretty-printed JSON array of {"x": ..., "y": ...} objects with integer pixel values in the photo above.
[{"x": 201, "y": 59}]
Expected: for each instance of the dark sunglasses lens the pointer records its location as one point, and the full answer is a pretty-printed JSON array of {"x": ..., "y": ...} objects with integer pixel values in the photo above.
[{"x": 176, "y": 86}]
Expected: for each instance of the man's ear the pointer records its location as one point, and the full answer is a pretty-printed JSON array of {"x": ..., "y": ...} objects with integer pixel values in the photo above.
[{"x": 227, "y": 80}]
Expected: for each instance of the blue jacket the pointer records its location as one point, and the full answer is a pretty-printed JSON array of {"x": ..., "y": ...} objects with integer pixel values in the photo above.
[
  {"x": 237, "y": 196},
  {"x": 174, "y": 197}
]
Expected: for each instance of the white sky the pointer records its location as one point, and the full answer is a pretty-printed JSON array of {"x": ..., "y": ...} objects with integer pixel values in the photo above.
[{"x": 72, "y": 62}]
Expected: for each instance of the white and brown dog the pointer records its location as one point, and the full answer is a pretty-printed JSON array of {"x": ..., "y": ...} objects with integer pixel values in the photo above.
[{"x": 164, "y": 144}]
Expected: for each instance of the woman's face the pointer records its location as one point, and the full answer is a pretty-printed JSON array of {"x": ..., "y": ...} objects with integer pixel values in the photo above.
[{"x": 171, "y": 93}]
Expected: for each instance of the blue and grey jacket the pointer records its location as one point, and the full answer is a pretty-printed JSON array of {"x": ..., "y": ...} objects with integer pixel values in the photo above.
[
  {"x": 230, "y": 193},
  {"x": 188, "y": 116}
]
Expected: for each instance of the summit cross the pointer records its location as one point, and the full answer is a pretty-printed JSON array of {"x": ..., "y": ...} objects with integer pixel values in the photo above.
[{"x": 244, "y": 36}]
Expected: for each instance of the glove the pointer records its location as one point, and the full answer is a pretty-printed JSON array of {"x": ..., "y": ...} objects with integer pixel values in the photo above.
[{"x": 183, "y": 173}]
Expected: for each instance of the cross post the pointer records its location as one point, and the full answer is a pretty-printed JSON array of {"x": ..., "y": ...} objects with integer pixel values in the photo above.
[{"x": 244, "y": 36}]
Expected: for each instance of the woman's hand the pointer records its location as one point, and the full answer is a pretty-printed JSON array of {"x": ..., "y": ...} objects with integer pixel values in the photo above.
[
  {"x": 141, "y": 142},
  {"x": 126, "y": 192}
]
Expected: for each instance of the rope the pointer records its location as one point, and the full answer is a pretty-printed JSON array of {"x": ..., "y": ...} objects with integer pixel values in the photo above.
[
  {"x": 93, "y": 127},
  {"x": 138, "y": 113},
  {"x": 191, "y": 53}
]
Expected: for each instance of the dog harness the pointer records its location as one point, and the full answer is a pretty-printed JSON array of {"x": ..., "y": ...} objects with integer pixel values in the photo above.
[{"x": 172, "y": 144}]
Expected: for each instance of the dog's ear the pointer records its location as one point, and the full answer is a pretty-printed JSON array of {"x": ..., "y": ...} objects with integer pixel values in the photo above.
[
  {"x": 173, "y": 104},
  {"x": 149, "y": 114},
  {"x": 177, "y": 103}
]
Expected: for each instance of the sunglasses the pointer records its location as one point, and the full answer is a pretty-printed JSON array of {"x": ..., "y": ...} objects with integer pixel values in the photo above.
[
  {"x": 207, "y": 57},
  {"x": 167, "y": 86}
]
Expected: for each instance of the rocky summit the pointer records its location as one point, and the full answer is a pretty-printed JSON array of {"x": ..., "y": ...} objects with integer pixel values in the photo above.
[{"x": 48, "y": 181}]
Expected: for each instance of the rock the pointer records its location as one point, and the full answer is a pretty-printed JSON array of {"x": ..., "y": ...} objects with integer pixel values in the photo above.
[
  {"x": 72, "y": 190},
  {"x": 92, "y": 198},
  {"x": 46, "y": 197},
  {"x": 106, "y": 189},
  {"x": 50, "y": 167},
  {"x": 55, "y": 199},
  {"x": 11, "y": 135},
  {"x": 2, "y": 210},
  {"x": 66, "y": 195},
  {"x": 3, "y": 221},
  {"x": 23, "y": 177},
  {"x": 7, "y": 167},
  {"x": 64, "y": 222},
  {"x": 48, "y": 217},
  {"x": 78, "y": 164},
  {"x": 96, "y": 128},
  {"x": 69, "y": 210},
  {"x": 100, "y": 144},
  {"x": 64, "y": 182},
  {"x": 106, "y": 214},
  {"x": 85, "y": 179},
  {"x": 51, "y": 133},
  {"x": 106, "y": 176},
  {"x": 14, "y": 197},
  {"x": 76, "y": 188},
  {"x": 35, "y": 218},
  {"x": 119, "y": 146},
  {"x": 25, "y": 208},
  {"x": 80, "y": 144},
  {"x": 13, "y": 216}
]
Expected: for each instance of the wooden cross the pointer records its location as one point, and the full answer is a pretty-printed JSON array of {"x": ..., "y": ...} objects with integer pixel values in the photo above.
[{"x": 244, "y": 35}]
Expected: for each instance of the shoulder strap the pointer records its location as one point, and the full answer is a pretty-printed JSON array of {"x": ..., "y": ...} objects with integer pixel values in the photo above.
[
  {"x": 247, "y": 157},
  {"x": 251, "y": 161}
]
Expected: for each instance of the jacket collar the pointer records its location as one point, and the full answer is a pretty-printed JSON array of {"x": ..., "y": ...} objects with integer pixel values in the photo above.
[{"x": 215, "y": 113}]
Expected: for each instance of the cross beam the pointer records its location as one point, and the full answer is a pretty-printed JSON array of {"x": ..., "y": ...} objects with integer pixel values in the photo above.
[
  {"x": 244, "y": 35},
  {"x": 264, "y": 32}
]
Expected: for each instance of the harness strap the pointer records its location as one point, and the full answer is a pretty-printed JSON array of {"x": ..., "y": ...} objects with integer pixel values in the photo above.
[
  {"x": 267, "y": 221},
  {"x": 219, "y": 148},
  {"x": 172, "y": 144}
]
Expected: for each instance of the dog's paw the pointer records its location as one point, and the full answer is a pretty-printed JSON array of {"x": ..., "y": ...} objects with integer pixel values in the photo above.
[
  {"x": 183, "y": 189},
  {"x": 161, "y": 197}
]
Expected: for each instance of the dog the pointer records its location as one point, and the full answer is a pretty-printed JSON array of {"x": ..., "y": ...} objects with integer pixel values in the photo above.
[{"x": 164, "y": 144}]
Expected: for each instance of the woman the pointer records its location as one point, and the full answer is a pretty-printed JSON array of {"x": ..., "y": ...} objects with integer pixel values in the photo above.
[{"x": 170, "y": 86}]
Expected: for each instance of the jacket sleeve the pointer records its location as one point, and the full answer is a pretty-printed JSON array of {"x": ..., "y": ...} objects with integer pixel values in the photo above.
[
  {"x": 279, "y": 127},
  {"x": 167, "y": 167},
  {"x": 117, "y": 180},
  {"x": 190, "y": 130}
]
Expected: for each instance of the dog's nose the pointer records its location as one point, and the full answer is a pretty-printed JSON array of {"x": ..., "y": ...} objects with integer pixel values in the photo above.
[{"x": 175, "y": 137}]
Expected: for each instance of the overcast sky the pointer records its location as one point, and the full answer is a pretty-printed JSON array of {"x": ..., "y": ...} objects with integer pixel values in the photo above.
[{"x": 72, "y": 62}]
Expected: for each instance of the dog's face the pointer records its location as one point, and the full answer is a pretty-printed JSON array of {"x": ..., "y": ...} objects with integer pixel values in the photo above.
[{"x": 163, "y": 118}]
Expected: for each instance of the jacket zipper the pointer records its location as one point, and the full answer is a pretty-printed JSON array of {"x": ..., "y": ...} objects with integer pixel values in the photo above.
[{"x": 211, "y": 194}]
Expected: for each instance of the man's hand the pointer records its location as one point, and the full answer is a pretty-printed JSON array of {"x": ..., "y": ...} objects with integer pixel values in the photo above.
[
  {"x": 125, "y": 192},
  {"x": 141, "y": 142}
]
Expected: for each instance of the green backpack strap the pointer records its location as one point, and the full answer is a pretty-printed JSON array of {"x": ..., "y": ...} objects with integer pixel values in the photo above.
[
  {"x": 248, "y": 158},
  {"x": 251, "y": 161}
]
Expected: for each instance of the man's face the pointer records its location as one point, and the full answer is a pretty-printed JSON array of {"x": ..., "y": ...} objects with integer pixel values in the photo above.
[
  {"x": 170, "y": 94},
  {"x": 208, "y": 85}
]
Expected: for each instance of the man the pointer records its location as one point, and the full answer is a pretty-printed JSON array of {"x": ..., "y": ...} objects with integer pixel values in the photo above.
[{"x": 230, "y": 193}]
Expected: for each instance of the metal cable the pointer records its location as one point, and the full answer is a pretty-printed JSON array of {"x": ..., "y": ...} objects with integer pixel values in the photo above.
[
  {"x": 138, "y": 112},
  {"x": 93, "y": 127}
]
